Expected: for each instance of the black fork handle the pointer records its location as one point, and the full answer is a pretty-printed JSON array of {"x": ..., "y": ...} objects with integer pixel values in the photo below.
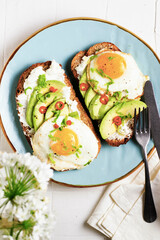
[{"x": 149, "y": 213}]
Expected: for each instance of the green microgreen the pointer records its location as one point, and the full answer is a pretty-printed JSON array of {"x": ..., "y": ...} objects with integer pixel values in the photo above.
[
  {"x": 65, "y": 146},
  {"x": 88, "y": 163},
  {"x": 53, "y": 138},
  {"x": 93, "y": 57},
  {"x": 25, "y": 90},
  {"x": 42, "y": 81},
  {"x": 95, "y": 82},
  {"x": 47, "y": 95},
  {"x": 50, "y": 158},
  {"x": 40, "y": 97},
  {"x": 102, "y": 74},
  {"x": 118, "y": 95},
  {"x": 19, "y": 104},
  {"x": 56, "y": 115},
  {"x": 110, "y": 58},
  {"x": 121, "y": 115},
  {"x": 92, "y": 69},
  {"x": 63, "y": 123},
  {"x": 77, "y": 150}
]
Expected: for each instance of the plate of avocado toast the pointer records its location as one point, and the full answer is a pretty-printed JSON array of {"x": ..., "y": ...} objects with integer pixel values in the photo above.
[{"x": 61, "y": 42}]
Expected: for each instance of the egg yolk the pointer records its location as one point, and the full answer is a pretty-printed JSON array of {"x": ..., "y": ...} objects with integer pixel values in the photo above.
[
  {"x": 66, "y": 142},
  {"x": 111, "y": 64}
]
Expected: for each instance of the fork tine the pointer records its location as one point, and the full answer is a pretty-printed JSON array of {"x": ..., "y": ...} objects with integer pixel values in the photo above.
[
  {"x": 139, "y": 120},
  {"x": 144, "y": 120},
  {"x": 135, "y": 121}
]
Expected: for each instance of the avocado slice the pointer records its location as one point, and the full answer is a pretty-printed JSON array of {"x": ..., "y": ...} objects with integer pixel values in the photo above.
[
  {"x": 97, "y": 109},
  {"x": 48, "y": 98},
  {"x": 51, "y": 109},
  {"x": 83, "y": 80},
  {"x": 33, "y": 99},
  {"x": 94, "y": 107},
  {"x": 89, "y": 96},
  {"x": 107, "y": 127}
]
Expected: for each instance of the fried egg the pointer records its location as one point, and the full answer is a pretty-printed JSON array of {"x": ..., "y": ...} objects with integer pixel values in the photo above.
[
  {"x": 115, "y": 71},
  {"x": 66, "y": 146}
]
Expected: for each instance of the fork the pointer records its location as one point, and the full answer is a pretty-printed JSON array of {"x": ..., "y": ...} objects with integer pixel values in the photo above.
[{"x": 142, "y": 136}]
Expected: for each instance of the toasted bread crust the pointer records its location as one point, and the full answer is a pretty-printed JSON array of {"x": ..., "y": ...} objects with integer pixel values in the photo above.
[
  {"x": 100, "y": 46},
  {"x": 76, "y": 61},
  {"x": 20, "y": 89},
  {"x": 83, "y": 115},
  {"x": 106, "y": 46},
  {"x": 92, "y": 50},
  {"x": 25, "y": 74},
  {"x": 117, "y": 142}
]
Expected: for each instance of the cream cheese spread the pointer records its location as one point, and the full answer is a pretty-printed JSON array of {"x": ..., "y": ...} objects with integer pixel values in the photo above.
[{"x": 54, "y": 72}]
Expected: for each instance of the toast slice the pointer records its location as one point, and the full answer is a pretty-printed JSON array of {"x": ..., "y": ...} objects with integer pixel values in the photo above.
[
  {"x": 81, "y": 59},
  {"x": 21, "y": 100}
]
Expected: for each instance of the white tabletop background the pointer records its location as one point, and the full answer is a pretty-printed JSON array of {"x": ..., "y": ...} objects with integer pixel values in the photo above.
[{"x": 18, "y": 20}]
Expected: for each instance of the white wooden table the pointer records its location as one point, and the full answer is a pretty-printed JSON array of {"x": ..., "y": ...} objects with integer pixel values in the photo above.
[{"x": 18, "y": 20}]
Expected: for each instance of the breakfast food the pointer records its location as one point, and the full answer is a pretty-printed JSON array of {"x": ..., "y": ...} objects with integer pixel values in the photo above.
[
  {"x": 110, "y": 81},
  {"x": 53, "y": 120}
]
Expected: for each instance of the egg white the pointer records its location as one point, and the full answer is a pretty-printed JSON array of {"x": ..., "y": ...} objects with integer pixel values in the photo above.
[
  {"x": 131, "y": 80},
  {"x": 89, "y": 150}
]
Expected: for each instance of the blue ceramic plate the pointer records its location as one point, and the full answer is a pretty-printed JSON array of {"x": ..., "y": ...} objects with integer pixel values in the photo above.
[{"x": 61, "y": 41}]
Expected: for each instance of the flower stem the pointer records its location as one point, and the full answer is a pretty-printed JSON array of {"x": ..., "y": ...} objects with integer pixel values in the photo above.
[{"x": 18, "y": 234}]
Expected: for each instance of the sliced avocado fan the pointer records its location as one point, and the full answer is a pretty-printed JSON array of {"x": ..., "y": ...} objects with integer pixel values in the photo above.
[
  {"x": 107, "y": 127},
  {"x": 38, "y": 115},
  {"x": 37, "y": 93}
]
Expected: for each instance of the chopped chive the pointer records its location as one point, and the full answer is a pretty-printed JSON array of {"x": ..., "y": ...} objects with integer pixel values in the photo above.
[
  {"x": 88, "y": 163},
  {"x": 77, "y": 155},
  {"x": 25, "y": 90},
  {"x": 50, "y": 158},
  {"x": 110, "y": 58},
  {"x": 92, "y": 57},
  {"x": 20, "y": 104}
]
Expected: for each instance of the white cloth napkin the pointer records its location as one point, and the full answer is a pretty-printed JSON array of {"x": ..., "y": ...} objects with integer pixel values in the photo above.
[{"x": 119, "y": 214}]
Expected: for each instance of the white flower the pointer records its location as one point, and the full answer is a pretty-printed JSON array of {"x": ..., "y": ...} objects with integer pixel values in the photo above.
[{"x": 23, "y": 204}]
